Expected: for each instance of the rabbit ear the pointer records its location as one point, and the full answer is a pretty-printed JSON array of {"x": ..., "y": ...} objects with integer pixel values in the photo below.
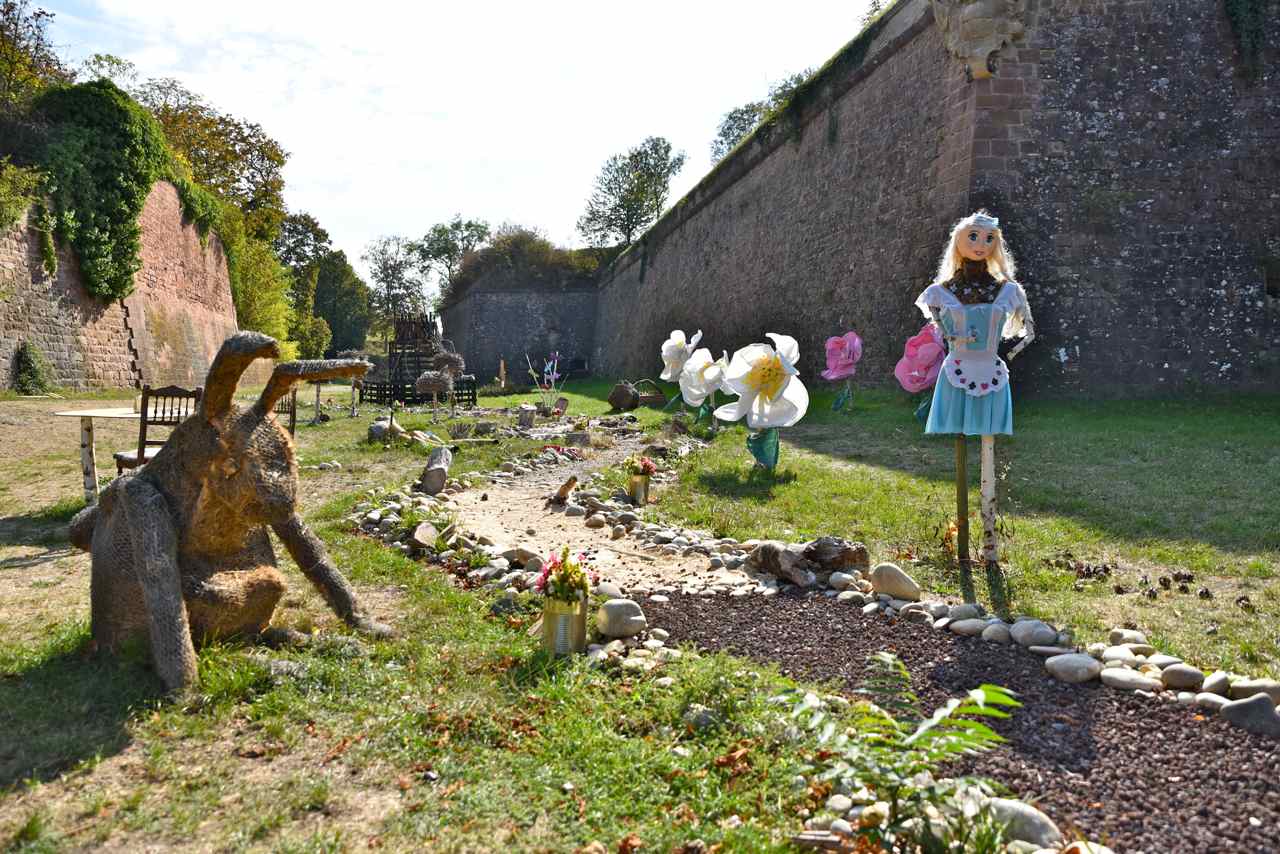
[
  {"x": 288, "y": 373},
  {"x": 236, "y": 354}
]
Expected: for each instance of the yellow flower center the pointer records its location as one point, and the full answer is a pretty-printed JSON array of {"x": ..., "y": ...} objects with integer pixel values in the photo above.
[{"x": 767, "y": 377}]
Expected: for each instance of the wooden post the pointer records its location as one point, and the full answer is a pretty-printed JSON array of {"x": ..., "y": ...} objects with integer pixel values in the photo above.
[
  {"x": 962, "y": 521},
  {"x": 88, "y": 464},
  {"x": 315, "y": 416},
  {"x": 354, "y": 384},
  {"x": 990, "y": 545}
]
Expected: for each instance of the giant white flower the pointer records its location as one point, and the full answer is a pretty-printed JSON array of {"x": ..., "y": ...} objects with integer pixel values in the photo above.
[
  {"x": 766, "y": 381},
  {"x": 702, "y": 375},
  {"x": 675, "y": 352}
]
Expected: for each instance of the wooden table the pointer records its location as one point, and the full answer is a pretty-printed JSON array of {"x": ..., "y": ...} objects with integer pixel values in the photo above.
[{"x": 88, "y": 464}]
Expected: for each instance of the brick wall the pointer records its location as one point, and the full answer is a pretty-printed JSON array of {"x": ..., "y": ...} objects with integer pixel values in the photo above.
[
  {"x": 1140, "y": 177},
  {"x": 494, "y": 321},
  {"x": 180, "y": 310},
  {"x": 831, "y": 224},
  {"x": 1135, "y": 172}
]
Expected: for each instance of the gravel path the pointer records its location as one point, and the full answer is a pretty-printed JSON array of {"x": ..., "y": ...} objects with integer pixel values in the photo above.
[{"x": 1137, "y": 774}]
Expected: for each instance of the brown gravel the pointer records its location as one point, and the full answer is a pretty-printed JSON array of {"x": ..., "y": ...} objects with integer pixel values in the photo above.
[{"x": 1137, "y": 774}]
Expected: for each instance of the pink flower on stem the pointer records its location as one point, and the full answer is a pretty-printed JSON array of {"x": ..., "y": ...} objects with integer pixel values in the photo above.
[
  {"x": 843, "y": 353},
  {"x": 921, "y": 360}
]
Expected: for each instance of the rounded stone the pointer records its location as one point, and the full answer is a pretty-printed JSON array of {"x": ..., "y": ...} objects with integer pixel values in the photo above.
[
  {"x": 1243, "y": 688},
  {"x": 968, "y": 628},
  {"x": 1217, "y": 682},
  {"x": 996, "y": 633},
  {"x": 620, "y": 618},
  {"x": 888, "y": 578},
  {"x": 841, "y": 581},
  {"x": 1121, "y": 636},
  {"x": 1025, "y": 822},
  {"x": 1182, "y": 677},
  {"x": 1033, "y": 633},
  {"x": 1123, "y": 679},
  {"x": 967, "y": 611},
  {"x": 1073, "y": 667}
]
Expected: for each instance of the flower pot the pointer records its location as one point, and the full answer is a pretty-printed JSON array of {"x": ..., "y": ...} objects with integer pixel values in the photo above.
[
  {"x": 564, "y": 626},
  {"x": 639, "y": 489},
  {"x": 544, "y": 411}
]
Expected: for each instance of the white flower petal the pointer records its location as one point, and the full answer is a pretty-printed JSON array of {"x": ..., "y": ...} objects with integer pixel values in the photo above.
[
  {"x": 787, "y": 347},
  {"x": 696, "y": 338},
  {"x": 744, "y": 360},
  {"x": 735, "y": 410},
  {"x": 797, "y": 396}
]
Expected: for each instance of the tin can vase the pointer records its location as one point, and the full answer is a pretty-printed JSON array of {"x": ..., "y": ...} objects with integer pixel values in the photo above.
[
  {"x": 564, "y": 626},
  {"x": 639, "y": 490}
]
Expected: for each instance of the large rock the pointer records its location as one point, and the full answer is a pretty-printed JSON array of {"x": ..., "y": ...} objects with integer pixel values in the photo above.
[
  {"x": 841, "y": 581},
  {"x": 379, "y": 431},
  {"x": 968, "y": 628},
  {"x": 424, "y": 536},
  {"x": 1217, "y": 682},
  {"x": 620, "y": 618},
  {"x": 1256, "y": 714},
  {"x": 1212, "y": 702},
  {"x": 1073, "y": 668},
  {"x": 834, "y": 554},
  {"x": 1119, "y": 636},
  {"x": 1033, "y": 633},
  {"x": 1123, "y": 679},
  {"x": 781, "y": 561},
  {"x": 996, "y": 633},
  {"x": 1242, "y": 688},
  {"x": 889, "y": 579},
  {"x": 1182, "y": 677},
  {"x": 1025, "y": 822},
  {"x": 967, "y": 611}
]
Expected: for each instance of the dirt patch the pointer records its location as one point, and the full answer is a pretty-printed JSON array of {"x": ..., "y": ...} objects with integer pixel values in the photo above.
[{"x": 1134, "y": 773}]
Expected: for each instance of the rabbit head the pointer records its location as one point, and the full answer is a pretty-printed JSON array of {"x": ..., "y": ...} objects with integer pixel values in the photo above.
[{"x": 251, "y": 473}]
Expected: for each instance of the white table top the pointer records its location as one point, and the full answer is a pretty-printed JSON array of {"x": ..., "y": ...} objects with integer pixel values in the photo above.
[{"x": 107, "y": 412}]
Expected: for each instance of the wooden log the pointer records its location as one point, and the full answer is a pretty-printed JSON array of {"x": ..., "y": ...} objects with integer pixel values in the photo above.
[
  {"x": 436, "y": 471},
  {"x": 88, "y": 463},
  {"x": 962, "y": 521}
]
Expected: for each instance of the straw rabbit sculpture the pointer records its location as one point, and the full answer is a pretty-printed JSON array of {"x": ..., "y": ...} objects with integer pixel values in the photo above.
[{"x": 181, "y": 550}]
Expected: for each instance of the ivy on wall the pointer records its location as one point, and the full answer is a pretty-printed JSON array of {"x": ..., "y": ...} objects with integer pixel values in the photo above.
[
  {"x": 105, "y": 151},
  {"x": 1248, "y": 24}
]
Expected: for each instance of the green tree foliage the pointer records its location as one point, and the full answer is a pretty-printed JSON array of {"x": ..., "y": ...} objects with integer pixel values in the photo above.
[
  {"x": 107, "y": 66},
  {"x": 29, "y": 63},
  {"x": 739, "y": 122},
  {"x": 342, "y": 299},
  {"x": 399, "y": 280},
  {"x": 527, "y": 255},
  {"x": 260, "y": 288},
  {"x": 19, "y": 189},
  {"x": 874, "y": 8},
  {"x": 630, "y": 193},
  {"x": 301, "y": 241},
  {"x": 233, "y": 158},
  {"x": 443, "y": 247},
  {"x": 103, "y": 155}
]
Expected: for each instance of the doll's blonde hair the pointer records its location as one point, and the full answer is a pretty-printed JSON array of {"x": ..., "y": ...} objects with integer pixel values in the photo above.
[{"x": 1000, "y": 262}]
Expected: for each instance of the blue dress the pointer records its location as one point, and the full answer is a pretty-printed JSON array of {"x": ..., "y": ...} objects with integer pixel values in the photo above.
[{"x": 972, "y": 395}]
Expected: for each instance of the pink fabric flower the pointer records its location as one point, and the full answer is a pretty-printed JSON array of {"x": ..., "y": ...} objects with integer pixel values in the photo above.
[
  {"x": 921, "y": 360},
  {"x": 843, "y": 353}
]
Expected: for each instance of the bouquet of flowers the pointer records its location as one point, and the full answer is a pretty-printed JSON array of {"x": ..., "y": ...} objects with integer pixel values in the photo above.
[
  {"x": 564, "y": 578},
  {"x": 546, "y": 382},
  {"x": 636, "y": 464}
]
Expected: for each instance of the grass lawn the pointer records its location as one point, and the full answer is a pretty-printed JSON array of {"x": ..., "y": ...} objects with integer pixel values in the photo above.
[
  {"x": 1153, "y": 486},
  {"x": 457, "y": 735}
]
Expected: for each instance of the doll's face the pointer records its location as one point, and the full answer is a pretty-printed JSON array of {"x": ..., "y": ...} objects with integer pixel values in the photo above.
[{"x": 976, "y": 243}]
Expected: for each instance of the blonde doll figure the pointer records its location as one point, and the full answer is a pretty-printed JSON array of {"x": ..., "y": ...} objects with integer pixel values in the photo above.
[{"x": 976, "y": 302}]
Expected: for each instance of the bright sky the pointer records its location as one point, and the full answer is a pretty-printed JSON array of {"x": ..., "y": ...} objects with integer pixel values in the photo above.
[{"x": 398, "y": 115}]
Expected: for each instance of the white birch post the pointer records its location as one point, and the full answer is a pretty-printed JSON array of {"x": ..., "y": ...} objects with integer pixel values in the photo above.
[
  {"x": 315, "y": 416},
  {"x": 990, "y": 544},
  {"x": 88, "y": 464}
]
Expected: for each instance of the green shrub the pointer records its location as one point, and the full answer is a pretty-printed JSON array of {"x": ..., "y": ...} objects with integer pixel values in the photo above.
[
  {"x": 104, "y": 153},
  {"x": 19, "y": 188},
  {"x": 30, "y": 371}
]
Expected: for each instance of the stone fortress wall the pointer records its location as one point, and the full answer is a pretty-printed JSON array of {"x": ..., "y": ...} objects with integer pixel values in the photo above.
[
  {"x": 166, "y": 331},
  {"x": 1134, "y": 167}
]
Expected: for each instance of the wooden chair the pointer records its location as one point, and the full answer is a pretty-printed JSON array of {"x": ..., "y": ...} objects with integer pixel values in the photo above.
[
  {"x": 287, "y": 407},
  {"x": 161, "y": 407}
]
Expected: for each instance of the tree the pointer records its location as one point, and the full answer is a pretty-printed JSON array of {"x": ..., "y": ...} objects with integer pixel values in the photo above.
[
  {"x": 873, "y": 11},
  {"x": 342, "y": 299},
  {"x": 301, "y": 241},
  {"x": 28, "y": 61},
  {"x": 236, "y": 159},
  {"x": 107, "y": 66},
  {"x": 630, "y": 193},
  {"x": 260, "y": 290},
  {"x": 739, "y": 122},
  {"x": 399, "y": 280},
  {"x": 443, "y": 247}
]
